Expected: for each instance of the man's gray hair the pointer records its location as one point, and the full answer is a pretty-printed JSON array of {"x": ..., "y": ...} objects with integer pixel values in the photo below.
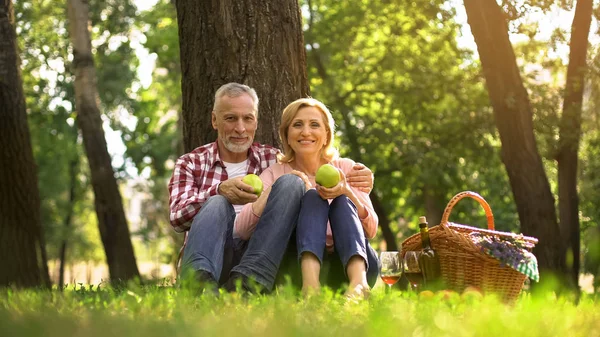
[{"x": 235, "y": 90}]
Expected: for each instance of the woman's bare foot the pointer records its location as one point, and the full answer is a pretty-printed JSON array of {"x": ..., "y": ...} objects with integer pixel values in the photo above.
[{"x": 358, "y": 292}]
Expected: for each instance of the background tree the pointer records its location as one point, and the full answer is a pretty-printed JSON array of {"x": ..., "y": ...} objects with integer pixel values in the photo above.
[
  {"x": 24, "y": 261},
  {"x": 388, "y": 71},
  {"x": 514, "y": 115},
  {"x": 570, "y": 137},
  {"x": 157, "y": 139},
  {"x": 255, "y": 42},
  {"x": 109, "y": 207}
]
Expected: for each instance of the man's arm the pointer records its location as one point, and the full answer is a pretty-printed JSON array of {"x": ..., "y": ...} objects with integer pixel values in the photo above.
[
  {"x": 185, "y": 196},
  {"x": 361, "y": 178}
]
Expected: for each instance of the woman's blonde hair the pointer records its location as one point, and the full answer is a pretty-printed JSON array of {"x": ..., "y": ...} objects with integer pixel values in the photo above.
[{"x": 329, "y": 152}]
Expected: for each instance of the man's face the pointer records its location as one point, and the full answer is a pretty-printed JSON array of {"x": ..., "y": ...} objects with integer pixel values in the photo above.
[{"x": 235, "y": 122}]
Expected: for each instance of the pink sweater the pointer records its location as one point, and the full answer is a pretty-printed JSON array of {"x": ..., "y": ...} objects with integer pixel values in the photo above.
[{"x": 245, "y": 223}]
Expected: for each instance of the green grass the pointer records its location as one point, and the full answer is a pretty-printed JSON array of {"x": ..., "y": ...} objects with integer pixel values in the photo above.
[{"x": 166, "y": 311}]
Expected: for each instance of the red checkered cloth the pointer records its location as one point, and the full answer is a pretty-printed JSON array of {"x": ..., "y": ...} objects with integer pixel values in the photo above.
[{"x": 197, "y": 175}]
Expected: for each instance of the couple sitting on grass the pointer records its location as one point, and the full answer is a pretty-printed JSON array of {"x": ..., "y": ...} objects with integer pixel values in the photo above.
[{"x": 236, "y": 238}]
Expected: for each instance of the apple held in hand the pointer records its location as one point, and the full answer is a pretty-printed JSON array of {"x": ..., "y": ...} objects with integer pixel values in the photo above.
[
  {"x": 327, "y": 176},
  {"x": 254, "y": 181}
]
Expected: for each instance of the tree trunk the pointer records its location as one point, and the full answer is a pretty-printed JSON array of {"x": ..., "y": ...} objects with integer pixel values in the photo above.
[
  {"x": 513, "y": 117},
  {"x": 570, "y": 134},
  {"x": 71, "y": 209},
  {"x": 109, "y": 206},
  {"x": 23, "y": 262},
  {"x": 384, "y": 223},
  {"x": 434, "y": 207},
  {"x": 255, "y": 42}
]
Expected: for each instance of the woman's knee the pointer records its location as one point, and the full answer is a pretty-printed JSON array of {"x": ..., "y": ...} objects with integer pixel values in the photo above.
[
  {"x": 341, "y": 202},
  {"x": 290, "y": 182},
  {"x": 311, "y": 194}
]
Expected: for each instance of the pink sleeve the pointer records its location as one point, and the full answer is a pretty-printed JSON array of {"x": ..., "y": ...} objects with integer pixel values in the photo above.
[
  {"x": 245, "y": 222},
  {"x": 370, "y": 222}
]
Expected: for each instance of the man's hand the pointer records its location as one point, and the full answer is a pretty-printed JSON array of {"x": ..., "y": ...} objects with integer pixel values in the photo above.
[
  {"x": 360, "y": 177},
  {"x": 237, "y": 192}
]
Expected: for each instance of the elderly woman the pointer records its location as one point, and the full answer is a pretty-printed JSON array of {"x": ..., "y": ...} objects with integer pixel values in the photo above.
[{"x": 334, "y": 224}]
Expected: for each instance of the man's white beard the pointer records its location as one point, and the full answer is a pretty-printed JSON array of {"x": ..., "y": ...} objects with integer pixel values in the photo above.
[{"x": 235, "y": 147}]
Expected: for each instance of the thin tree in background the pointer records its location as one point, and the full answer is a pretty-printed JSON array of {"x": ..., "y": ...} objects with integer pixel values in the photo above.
[
  {"x": 513, "y": 115},
  {"x": 255, "y": 42},
  {"x": 570, "y": 136},
  {"x": 108, "y": 202},
  {"x": 24, "y": 261}
]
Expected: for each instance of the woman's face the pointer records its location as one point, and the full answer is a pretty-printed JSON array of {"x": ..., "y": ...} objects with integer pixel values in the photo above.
[{"x": 307, "y": 134}]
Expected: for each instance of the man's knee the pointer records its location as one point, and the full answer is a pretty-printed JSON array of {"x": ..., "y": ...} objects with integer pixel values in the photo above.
[
  {"x": 215, "y": 210},
  {"x": 217, "y": 201}
]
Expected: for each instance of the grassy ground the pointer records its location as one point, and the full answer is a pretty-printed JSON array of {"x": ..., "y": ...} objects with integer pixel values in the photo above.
[{"x": 167, "y": 311}]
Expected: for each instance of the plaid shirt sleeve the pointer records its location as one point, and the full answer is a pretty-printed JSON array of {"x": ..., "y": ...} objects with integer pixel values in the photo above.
[{"x": 186, "y": 197}]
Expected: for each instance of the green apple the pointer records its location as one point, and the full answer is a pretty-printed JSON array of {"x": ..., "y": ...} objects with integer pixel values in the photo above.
[
  {"x": 254, "y": 181},
  {"x": 327, "y": 176}
]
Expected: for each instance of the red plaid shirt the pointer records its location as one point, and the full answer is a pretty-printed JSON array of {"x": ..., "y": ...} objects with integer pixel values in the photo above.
[{"x": 197, "y": 175}]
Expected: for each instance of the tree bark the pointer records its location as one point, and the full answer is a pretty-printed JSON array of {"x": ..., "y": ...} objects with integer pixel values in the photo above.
[
  {"x": 434, "y": 207},
  {"x": 513, "y": 117},
  {"x": 23, "y": 262},
  {"x": 71, "y": 209},
  {"x": 255, "y": 42},
  {"x": 570, "y": 135},
  {"x": 109, "y": 206}
]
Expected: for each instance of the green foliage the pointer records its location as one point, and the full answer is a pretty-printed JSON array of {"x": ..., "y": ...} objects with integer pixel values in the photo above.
[
  {"x": 48, "y": 88},
  {"x": 48, "y": 85},
  {"x": 156, "y": 137},
  {"x": 402, "y": 90},
  {"x": 159, "y": 311},
  {"x": 155, "y": 142}
]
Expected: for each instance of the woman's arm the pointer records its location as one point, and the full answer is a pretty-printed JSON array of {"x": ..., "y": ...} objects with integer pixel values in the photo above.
[{"x": 246, "y": 221}]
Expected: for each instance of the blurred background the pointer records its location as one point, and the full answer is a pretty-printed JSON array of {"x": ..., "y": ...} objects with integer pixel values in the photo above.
[{"x": 402, "y": 78}]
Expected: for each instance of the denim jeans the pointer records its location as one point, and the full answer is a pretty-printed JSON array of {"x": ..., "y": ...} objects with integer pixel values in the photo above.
[
  {"x": 348, "y": 236},
  {"x": 210, "y": 245},
  {"x": 269, "y": 242}
]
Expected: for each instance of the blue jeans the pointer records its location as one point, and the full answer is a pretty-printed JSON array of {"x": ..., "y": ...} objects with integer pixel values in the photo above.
[
  {"x": 348, "y": 236},
  {"x": 211, "y": 246},
  {"x": 269, "y": 241}
]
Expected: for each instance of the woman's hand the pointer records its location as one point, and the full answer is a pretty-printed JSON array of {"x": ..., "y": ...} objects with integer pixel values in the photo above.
[
  {"x": 304, "y": 177},
  {"x": 342, "y": 187},
  {"x": 259, "y": 205}
]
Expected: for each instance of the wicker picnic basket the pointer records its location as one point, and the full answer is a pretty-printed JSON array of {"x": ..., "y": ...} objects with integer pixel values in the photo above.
[{"x": 463, "y": 264}]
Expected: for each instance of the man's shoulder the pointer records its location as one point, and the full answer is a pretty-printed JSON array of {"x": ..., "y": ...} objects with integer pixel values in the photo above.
[
  {"x": 209, "y": 149},
  {"x": 206, "y": 148}
]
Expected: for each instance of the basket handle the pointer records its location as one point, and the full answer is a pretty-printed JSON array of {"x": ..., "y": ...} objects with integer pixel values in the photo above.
[{"x": 473, "y": 195}]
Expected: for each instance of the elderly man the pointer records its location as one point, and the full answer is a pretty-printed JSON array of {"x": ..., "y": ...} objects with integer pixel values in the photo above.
[{"x": 207, "y": 193}]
